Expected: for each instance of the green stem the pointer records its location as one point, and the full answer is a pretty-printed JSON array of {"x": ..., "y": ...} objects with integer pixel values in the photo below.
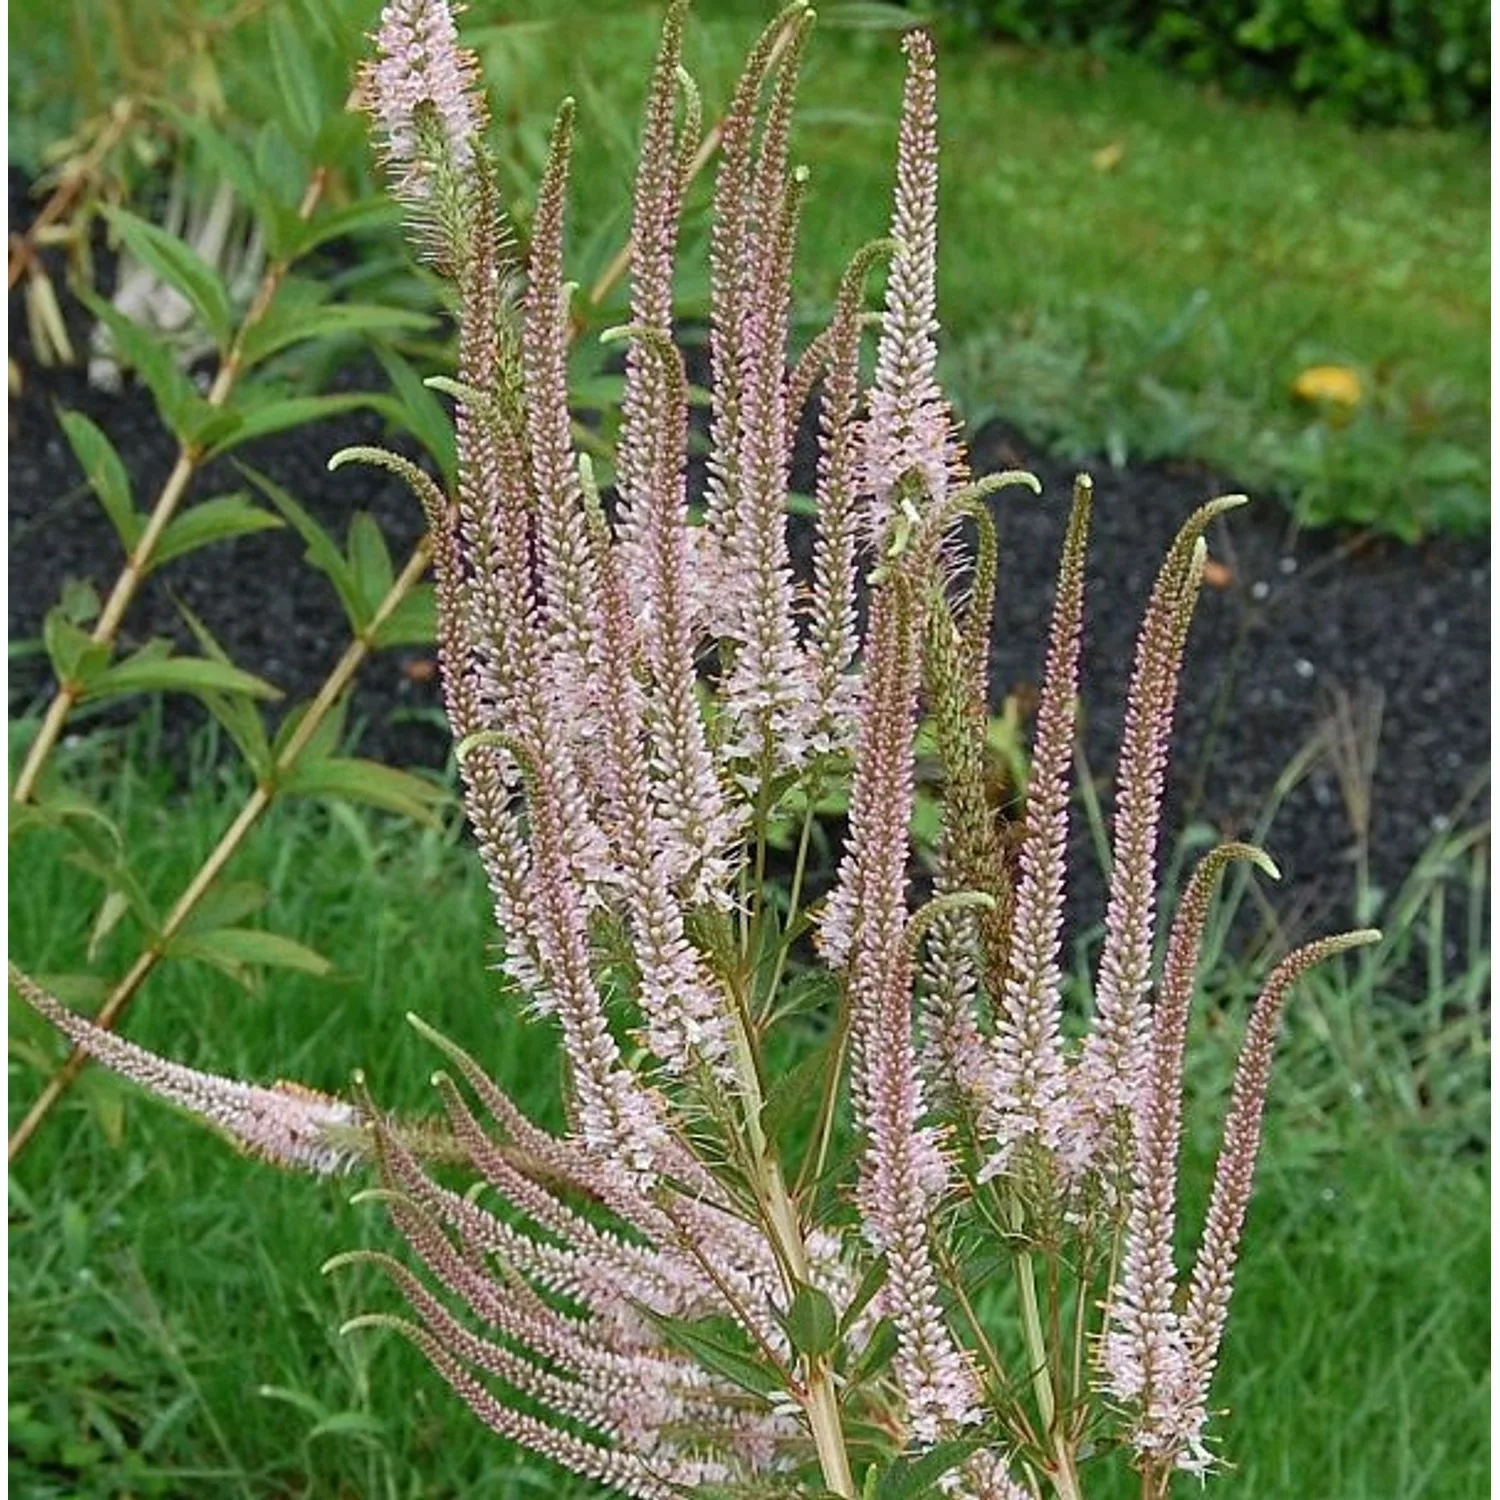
[
  {"x": 1064, "y": 1473},
  {"x": 795, "y": 900},
  {"x": 784, "y": 1229}
]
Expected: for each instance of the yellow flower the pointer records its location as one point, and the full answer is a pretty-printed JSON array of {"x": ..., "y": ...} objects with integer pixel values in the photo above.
[{"x": 1337, "y": 385}]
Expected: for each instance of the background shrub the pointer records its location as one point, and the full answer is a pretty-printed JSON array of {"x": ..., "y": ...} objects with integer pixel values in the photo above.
[{"x": 1387, "y": 62}]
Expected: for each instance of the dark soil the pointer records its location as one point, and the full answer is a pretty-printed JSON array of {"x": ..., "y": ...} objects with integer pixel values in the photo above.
[{"x": 1294, "y": 623}]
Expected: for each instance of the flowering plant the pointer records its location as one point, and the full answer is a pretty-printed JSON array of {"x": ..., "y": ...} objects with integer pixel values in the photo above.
[{"x": 700, "y": 1286}]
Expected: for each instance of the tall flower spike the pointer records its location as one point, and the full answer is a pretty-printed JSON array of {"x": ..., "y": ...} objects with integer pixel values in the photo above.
[
  {"x": 902, "y": 1172},
  {"x": 687, "y": 1017},
  {"x": 909, "y": 435},
  {"x": 424, "y": 96},
  {"x": 972, "y": 855},
  {"x": 766, "y": 693},
  {"x": 654, "y": 536},
  {"x": 694, "y": 819},
  {"x": 565, "y": 564},
  {"x": 286, "y": 1124},
  {"x": 1143, "y": 1352},
  {"x": 832, "y": 628},
  {"x": 1207, "y": 1307},
  {"x": 1112, "y": 1071},
  {"x": 618, "y": 1119},
  {"x": 1026, "y": 1084},
  {"x": 654, "y": 227},
  {"x": 731, "y": 248}
]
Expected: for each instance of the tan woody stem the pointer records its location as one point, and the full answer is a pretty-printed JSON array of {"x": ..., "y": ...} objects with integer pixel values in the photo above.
[
  {"x": 260, "y": 799},
  {"x": 189, "y": 458}
]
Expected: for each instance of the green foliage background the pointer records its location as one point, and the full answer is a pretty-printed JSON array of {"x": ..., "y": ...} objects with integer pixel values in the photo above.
[{"x": 1386, "y": 62}]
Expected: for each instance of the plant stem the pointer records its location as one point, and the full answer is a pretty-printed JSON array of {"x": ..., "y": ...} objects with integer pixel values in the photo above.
[
  {"x": 75, "y": 177},
  {"x": 137, "y": 564},
  {"x": 818, "y": 1396},
  {"x": 1064, "y": 1473},
  {"x": 795, "y": 899},
  {"x": 260, "y": 799}
]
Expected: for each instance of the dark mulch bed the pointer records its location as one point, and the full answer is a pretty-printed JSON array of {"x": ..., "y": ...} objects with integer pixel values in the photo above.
[{"x": 1297, "y": 621}]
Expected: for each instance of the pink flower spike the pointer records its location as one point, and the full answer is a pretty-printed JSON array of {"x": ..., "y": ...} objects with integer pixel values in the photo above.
[
  {"x": 1207, "y": 1308},
  {"x": 1027, "y": 1081},
  {"x": 909, "y": 434},
  {"x": 286, "y": 1124},
  {"x": 419, "y": 67}
]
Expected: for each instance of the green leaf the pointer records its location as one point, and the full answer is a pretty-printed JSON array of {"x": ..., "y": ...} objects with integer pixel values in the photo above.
[
  {"x": 55, "y": 806},
  {"x": 354, "y": 1424},
  {"x": 421, "y": 413},
  {"x": 296, "y": 77},
  {"x": 908, "y": 1478},
  {"x": 324, "y": 738},
  {"x": 181, "y": 407},
  {"x": 211, "y": 521},
  {"x": 284, "y": 171},
  {"x": 299, "y": 323},
  {"x": 178, "y": 264},
  {"x": 354, "y": 218},
  {"x": 706, "y": 1343},
  {"x": 794, "y": 1094},
  {"x": 106, "y": 474},
  {"x": 238, "y": 714},
  {"x": 232, "y": 949},
  {"x": 413, "y": 622},
  {"x": 877, "y": 1353},
  {"x": 105, "y": 1097},
  {"x": 224, "y": 904},
  {"x": 370, "y": 560},
  {"x": 79, "y": 601},
  {"x": 322, "y": 551},
  {"x": 229, "y": 162},
  {"x": 293, "y": 411},
  {"x": 811, "y": 1322},
  {"x": 114, "y": 906},
  {"x": 300, "y": 1399},
  {"x": 342, "y": 139},
  {"x": 870, "y": 1283},
  {"x": 75, "y": 656},
  {"x": 104, "y": 862},
  {"x": 354, "y": 779},
  {"x": 868, "y": 15},
  {"x": 172, "y": 674}
]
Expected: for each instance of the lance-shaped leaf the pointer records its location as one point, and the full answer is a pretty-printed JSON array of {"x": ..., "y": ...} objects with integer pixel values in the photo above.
[
  {"x": 106, "y": 474},
  {"x": 351, "y": 779},
  {"x": 151, "y": 671},
  {"x": 236, "y": 951},
  {"x": 180, "y": 266},
  {"x": 210, "y": 521},
  {"x": 180, "y": 405}
]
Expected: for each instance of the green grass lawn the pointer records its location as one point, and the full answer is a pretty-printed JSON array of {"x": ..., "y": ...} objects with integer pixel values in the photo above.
[{"x": 171, "y": 1334}]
